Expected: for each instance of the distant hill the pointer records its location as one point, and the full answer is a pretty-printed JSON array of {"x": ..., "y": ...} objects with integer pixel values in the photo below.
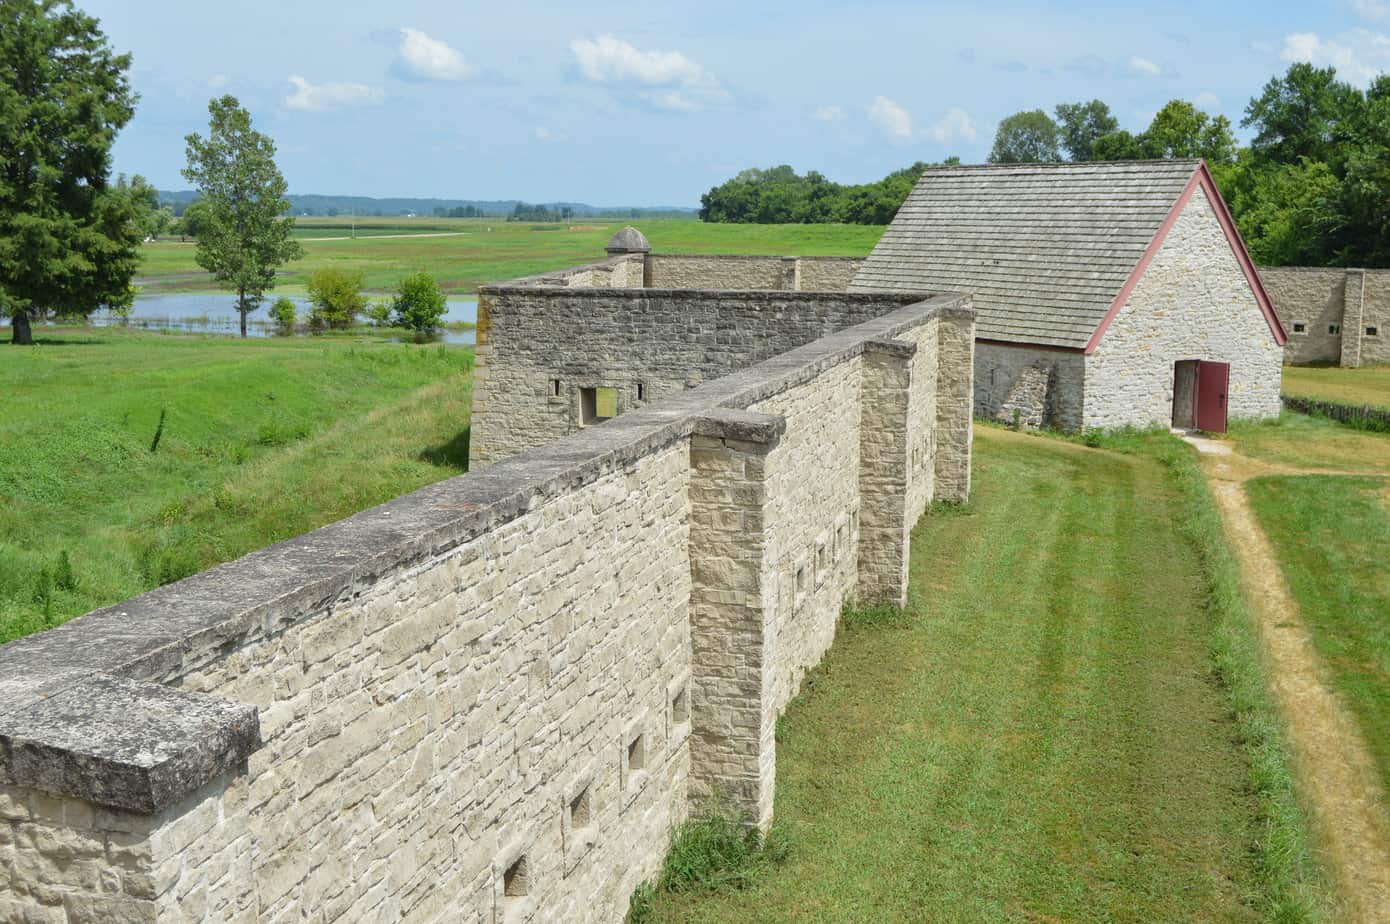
[{"x": 319, "y": 205}]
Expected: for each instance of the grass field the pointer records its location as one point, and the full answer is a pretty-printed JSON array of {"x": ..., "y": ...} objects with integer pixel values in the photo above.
[
  {"x": 478, "y": 251},
  {"x": 1043, "y": 737},
  {"x": 1369, "y": 385},
  {"x": 261, "y": 440},
  {"x": 1313, "y": 442},
  {"x": 1332, "y": 535}
]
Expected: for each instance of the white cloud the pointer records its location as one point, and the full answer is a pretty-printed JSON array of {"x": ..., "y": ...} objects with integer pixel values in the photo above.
[
  {"x": 1144, "y": 66},
  {"x": 955, "y": 125},
  {"x": 1359, "y": 55},
  {"x": 546, "y": 136},
  {"x": 892, "y": 119},
  {"x": 217, "y": 80},
  {"x": 828, "y": 114},
  {"x": 1374, "y": 10},
  {"x": 321, "y": 97},
  {"x": 662, "y": 79},
  {"x": 420, "y": 57},
  {"x": 1207, "y": 100}
]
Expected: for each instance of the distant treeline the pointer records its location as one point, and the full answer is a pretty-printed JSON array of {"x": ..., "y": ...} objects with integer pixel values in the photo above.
[
  {"x": 779, "y": 196},
  {"x": 365, "y": 206},
  {"x": 1312, "y": 187}
]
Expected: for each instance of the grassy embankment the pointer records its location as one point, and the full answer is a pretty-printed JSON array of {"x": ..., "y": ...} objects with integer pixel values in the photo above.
[
  {"x": 1069, "y": 723},
  {"x": 261, "y": 440},
  {"x": 463, "y": 261},
  {"x": 1369, "y": 385}
]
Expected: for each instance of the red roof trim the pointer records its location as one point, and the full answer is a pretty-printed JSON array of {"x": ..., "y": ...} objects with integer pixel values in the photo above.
[{"x": 1201, "y": 179}]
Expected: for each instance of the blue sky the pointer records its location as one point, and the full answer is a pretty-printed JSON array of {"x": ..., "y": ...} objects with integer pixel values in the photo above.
[{"x": 652, "y": 103}]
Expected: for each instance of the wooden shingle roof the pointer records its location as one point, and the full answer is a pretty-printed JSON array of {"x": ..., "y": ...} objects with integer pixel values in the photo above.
[{"x": 1044, "y": 248}]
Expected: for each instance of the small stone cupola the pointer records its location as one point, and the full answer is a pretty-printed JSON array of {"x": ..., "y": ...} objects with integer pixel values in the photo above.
[{"x": 628, "y": 240}]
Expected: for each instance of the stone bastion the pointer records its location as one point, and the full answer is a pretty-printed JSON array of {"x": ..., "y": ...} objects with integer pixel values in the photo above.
[{"x": 494, "y": 699}]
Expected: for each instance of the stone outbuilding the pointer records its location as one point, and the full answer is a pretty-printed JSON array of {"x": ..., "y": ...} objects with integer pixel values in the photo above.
[
  {"x": 1108, "y": 294},
  {"x": 1334, "y": 315}
]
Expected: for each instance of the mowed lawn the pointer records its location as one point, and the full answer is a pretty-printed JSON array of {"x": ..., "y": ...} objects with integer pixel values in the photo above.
[
  {"x": 1368, "y": 385},
  {"x": 261, "y": 440},
  {"x": 1332, "y": 537},
  {"x": 1304, "y": 441},
  {"x": 493, "y": 251},
  {"x": 1041, "y": 739}
]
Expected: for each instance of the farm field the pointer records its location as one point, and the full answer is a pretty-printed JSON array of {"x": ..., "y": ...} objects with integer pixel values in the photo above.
[
  {"x": 260, "y": 440},
  {"x": 1042, "y": 736},
  {"x": 1368, "y": 385},
  {"x": 465, "y": 253}
]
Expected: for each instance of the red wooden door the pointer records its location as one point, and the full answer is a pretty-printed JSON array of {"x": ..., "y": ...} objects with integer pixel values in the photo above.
[{"x": 1212, "y": 379}]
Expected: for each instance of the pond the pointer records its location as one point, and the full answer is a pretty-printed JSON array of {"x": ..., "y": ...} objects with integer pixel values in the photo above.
[{"x": 205, "y": 313}]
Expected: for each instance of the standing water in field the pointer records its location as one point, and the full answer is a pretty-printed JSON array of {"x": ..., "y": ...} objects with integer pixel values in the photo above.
[{"x": 204, "y": 313}]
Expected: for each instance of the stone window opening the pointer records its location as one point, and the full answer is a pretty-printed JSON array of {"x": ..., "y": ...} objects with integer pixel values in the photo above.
[
  {"x": 1334, "y": 328},
  {"x": 641, "y": 392},
  {"x": 580, "y": 814},
  {"x": 680, "y": 707},
  {"x": 597, "y": 404},
  {"x": 637, "y": 752},
  {"x": 515, "y": 881},
  {"x": 555, "y": 388},
  {"x": 1372, "y": 331},
  {"x": 1299, "y": 327},
  {"x": 840, "y": 540},
  {"x": 799, "y": 584}
]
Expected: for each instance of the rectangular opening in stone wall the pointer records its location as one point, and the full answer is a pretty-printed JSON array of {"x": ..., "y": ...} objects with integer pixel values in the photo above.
[
  {"x": 800, "y": 583},
  {"x": 641, "y": 392},
  {"x": 555, "y": 387},
  {"x": 637, "y": 752},
  {"x": 597, "y": 404},
  {"x": 1372, "y": 331},
  {"x": 1299, "y": 327},
  {"x": 1334, "y": 328},
  {"x": 579, "y": 809},
  {"x": 680, "y": 707},
  {"x": 515, "y": 882},
  {"x": 822, "y": 560}
]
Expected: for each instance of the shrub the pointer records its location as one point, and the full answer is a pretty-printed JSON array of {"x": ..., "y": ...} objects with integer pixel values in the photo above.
[
  {"x": 284, "y": 315},
  {"x": 379, "y": 313},
  {"x": 419, "y": 304},
  {"x": 337, "y": 297}
]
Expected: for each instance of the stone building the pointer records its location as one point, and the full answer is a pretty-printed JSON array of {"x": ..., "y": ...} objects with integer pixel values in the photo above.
[
  {"x": 1333, "y": 316},
  {"x": 494, "y": 699},
  {"x": 1108, "y": 294}
]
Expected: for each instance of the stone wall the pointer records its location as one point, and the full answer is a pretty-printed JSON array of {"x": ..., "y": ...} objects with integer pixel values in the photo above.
[
  {"x": 1332, "y": 315},
  {"x": 1193, "y": 302},
  {"x": 489, "y": 700},
  {"x": 540, "y": 347},
  {"x": 1033, "y": 386},
  {"x": 730, "y": 271}
]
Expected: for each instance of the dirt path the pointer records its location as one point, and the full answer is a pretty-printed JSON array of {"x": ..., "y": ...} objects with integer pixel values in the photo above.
[{"x": 1335, "y": 769}]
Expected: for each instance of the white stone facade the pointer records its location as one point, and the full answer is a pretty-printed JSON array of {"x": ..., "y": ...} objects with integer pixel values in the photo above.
[{"x": 1193, "y": 302}]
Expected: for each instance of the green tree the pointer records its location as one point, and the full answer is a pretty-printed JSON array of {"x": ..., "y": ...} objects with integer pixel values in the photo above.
[
  {"x": 244, "y": 232},
  {"x": 337, "y": 297},
  {"x": 419, "y": 303},
  {"x": 67, "y": 240},
  {"x": 1180, "y": 129},
  {"x": 283, "y": 313},
  {"x": 1301, "y": 115},
  {"x": 1027, "y": 138},
  {"x": 1081, "y": 124},
  {"x": 1286, "y": 212}
]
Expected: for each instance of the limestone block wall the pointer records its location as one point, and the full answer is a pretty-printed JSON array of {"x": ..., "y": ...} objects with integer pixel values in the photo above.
[
  {"x": 1045, "y": 388},
  {"x": 736, "y": 271},
  {"x": 826, "y": 274},
  {"x": 1332, "y": 315},
  {"x": 1313, "y": 300},
  {"x": 1193, "y": 302},
  {"x": 490, "y": 700},
  {"x": 540, "y": 346}
]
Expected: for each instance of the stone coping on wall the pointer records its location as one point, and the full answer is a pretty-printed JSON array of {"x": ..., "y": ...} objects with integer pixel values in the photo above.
[
  {"x": 84, "y": 711},
  {"x": 555, "y": 278}
]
